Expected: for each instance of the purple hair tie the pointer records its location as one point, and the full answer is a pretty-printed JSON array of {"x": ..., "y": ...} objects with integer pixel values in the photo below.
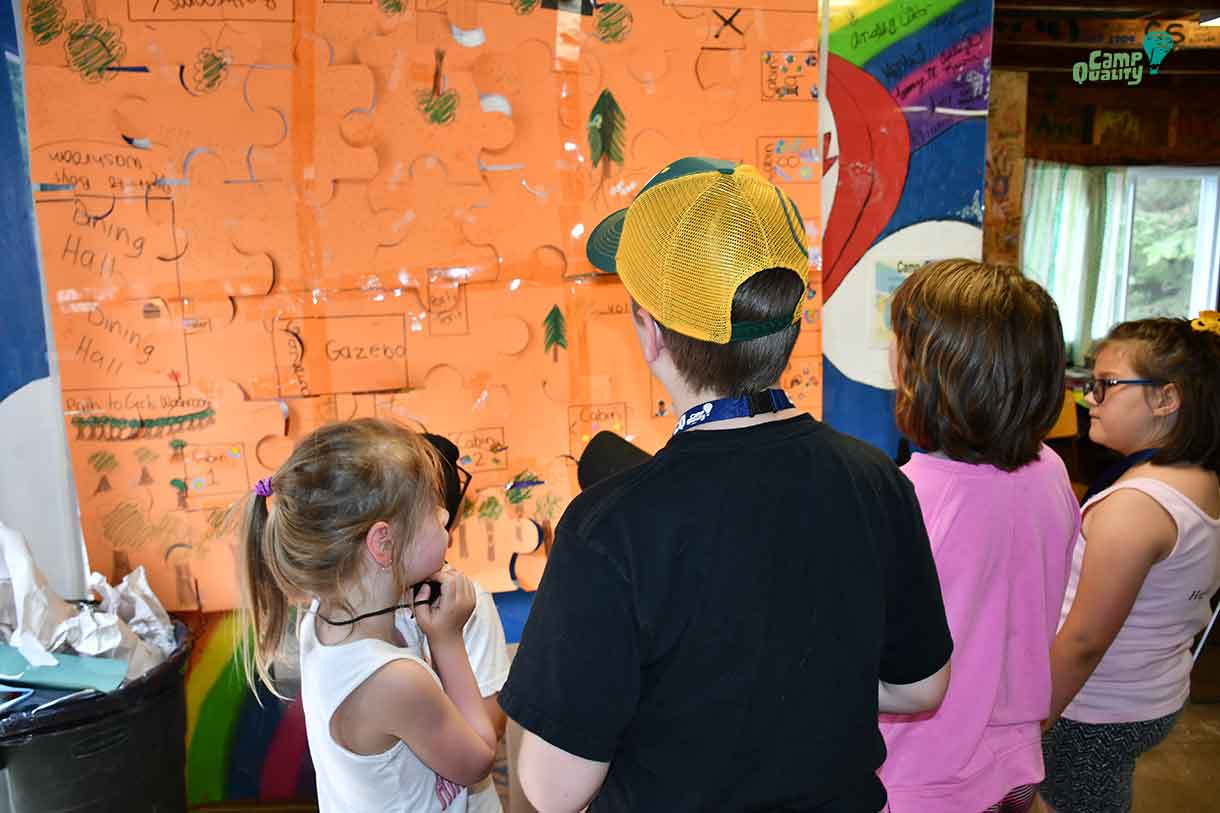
[{"x": 263, "y": 487}]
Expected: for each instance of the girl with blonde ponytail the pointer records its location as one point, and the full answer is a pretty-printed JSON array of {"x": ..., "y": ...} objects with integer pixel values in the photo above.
[{"x": 336, "y": 537}]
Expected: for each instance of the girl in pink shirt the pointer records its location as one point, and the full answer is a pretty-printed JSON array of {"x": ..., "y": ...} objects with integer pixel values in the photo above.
[
  {"x": 978, "y": 368},
  {"x": 1145, "y": 565}
]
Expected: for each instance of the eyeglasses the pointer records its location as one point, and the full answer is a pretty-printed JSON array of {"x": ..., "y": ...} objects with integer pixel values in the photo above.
[
  {"x": 464, "y": 477},
  {"x": 1097, "y": 386}
]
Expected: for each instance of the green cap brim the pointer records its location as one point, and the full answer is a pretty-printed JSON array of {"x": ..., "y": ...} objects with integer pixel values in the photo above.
[{"x": 602, "y": 246}]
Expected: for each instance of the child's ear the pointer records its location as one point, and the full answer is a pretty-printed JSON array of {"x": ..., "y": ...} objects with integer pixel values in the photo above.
[
  {"x": 1168, "y": 401},
  {"x": 380, "y": 543}
]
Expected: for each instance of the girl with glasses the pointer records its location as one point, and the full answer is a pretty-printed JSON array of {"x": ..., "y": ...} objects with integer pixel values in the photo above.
[{"x": 1145, "y": 565}]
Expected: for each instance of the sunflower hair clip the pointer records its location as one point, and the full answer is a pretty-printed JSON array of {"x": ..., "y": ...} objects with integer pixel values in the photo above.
[{"x": 1207, "y": 322}]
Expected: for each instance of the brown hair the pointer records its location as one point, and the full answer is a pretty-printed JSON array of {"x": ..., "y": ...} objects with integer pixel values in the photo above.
[
  {"x": 980, "y": 362},
  {"x": 307, "y": 539},
  {"x": 1170, "y": 350},
  {"x": 744, "y": 367}
]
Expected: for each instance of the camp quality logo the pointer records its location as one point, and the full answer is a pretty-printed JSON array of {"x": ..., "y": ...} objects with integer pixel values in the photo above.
[{"x": 1128, "y": 66}]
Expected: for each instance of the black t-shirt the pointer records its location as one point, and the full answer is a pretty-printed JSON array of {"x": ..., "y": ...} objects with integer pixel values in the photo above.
[{"x": 713, "y": 623}]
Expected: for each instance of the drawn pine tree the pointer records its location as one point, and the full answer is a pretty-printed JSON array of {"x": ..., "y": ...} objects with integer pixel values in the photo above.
[
  {"x": 103, "y": 463},
  {"x": 519, "y": 490},
  {"x": 556, "y": 332},
  {"x": 181, "y": 486},
  {"x": 145, "y": 456},
  {"x": 176, "y": 445},
  {"x": 607, "y": 128},
  {"x": 489, "y": 511}
]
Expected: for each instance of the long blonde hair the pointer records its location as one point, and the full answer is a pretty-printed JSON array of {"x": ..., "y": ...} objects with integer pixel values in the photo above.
[{"x": 306, "y": 540}]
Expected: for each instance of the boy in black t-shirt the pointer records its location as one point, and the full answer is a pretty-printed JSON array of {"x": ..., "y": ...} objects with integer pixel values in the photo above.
[{"x": 718, "y": 627}]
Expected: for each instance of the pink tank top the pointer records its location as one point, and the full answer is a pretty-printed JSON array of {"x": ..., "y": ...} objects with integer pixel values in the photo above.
[{"x": 1145, "y": 674}]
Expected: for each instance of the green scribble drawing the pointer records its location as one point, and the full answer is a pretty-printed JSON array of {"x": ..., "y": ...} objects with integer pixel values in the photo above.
[
  {"x": 613, "y": 22},
  {"x": 392, "y": 7},
  {"x": 103, "y": 463},
  {"x": 546, "y": 508},
  {"x": 92, "y": 47},
  {"x": 465, "y": 512},
  {"x": 525, "y": 6},
  {"x": 110, "y": 427},
  {"x": 211, "y": 68},
  {"x": 439, "y": 109},
  {"x": 46, "y": 19},
  {"x": 518, "y": 493},
  {"x": 556, "y": 332}
]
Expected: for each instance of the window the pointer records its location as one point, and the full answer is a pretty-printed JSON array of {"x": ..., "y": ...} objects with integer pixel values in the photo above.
[
  {"x": 1113, "y": 244},
  {"x": 1169, "y": 267}
]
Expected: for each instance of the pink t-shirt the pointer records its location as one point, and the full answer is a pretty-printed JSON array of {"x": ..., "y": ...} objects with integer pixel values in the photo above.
[{"x": 1002, "y": 542}]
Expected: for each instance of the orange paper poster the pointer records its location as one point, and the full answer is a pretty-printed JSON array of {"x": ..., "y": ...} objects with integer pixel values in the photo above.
[{"x": 259, "y": 217}]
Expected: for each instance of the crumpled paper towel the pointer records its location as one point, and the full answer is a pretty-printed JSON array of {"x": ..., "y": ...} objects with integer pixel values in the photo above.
[
  {"x": 37, "y": 611},
  {"x": 128, "y": 623}
]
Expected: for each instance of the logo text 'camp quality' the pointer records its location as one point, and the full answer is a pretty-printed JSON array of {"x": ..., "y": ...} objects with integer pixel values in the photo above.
[
  {"x": 1110, "y": 66},
  {"x": 1128, "y": 66}
]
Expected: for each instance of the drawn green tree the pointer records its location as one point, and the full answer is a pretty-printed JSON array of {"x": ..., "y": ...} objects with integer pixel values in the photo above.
[
  {"x": 607, "y": 129},
  {"x": 556, "y": 332},
  {"x": 145, "y": 456},
  {"x": 46, "y": 19},
  {"x": 465, "y": 512},
  {"x": 612, "y": 22},
  {"x": 181, "y": 487},
  {"x": 546, "y": 507},
  {"x": 103, "y": 463},
  {"x": 524, "y": 6},
  {"x": 520, "y": 488},
  {"x": 392, "y": 7},
  {"x": 491, "y": 510},
  {"x": 176, "y": 445},
  {"x": 93, "y": 47},
  {"x": 439, "y": 106},
  {"x": 211, "y": 68}
]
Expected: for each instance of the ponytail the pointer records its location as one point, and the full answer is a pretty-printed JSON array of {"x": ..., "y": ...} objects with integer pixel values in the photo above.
[{"x": 265, "y": 605}]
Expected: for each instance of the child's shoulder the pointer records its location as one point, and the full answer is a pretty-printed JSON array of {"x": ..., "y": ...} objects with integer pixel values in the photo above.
[{"x": 1195, "y": 483}]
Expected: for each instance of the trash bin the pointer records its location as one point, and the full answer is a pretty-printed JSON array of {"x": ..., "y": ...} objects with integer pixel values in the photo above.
[{"x": 124, "y": 751}]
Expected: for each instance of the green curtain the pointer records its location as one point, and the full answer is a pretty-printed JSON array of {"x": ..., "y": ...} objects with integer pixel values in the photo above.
[{"x": 1073, "y": 244}]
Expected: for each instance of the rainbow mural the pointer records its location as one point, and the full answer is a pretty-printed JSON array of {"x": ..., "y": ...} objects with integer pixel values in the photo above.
[
  {"x": 904, "y": 131},
  {"x": 239, "y": 745}
]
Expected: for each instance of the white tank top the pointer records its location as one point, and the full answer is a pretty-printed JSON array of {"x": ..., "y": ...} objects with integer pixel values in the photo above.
[
  {"x": 1145, "y": 674},
  {"x": 394, "y": 781}
]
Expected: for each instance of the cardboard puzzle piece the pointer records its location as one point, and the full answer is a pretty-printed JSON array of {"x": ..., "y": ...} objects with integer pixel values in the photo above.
[
  {"x": 127, "y": 344},
  {"x": 104, "y": 247},
  {"x": 204, "y": 214},
  {"x": 433, "y": 244},
  {"x": 161, "y": 108},
  {"x": 159, "y": 471},
  {"x": 427, "y": 106},
  {"x": 323, "y": 133},
  {"x": 339, "y": 243},
  {"x": 483, "y": 545}
]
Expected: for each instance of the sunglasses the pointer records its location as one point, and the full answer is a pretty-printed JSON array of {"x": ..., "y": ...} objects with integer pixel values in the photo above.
[
  {"x": 1097, "y": 387},
  {"x": 455, "y": 508}
]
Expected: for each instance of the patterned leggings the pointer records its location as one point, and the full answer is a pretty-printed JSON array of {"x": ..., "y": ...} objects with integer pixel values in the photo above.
[{"x": 1089, "y": 767}]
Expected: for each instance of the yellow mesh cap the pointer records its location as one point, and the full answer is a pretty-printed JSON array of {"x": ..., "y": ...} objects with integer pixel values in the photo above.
[{"x": 697, "y": 231}]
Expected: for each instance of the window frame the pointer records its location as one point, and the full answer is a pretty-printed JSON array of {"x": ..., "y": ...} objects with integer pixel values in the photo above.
[{"x": 1205, "y": 278}]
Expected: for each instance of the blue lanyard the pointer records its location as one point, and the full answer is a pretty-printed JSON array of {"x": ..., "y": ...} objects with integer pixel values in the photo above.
[{"x": 723, "y": 409}]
